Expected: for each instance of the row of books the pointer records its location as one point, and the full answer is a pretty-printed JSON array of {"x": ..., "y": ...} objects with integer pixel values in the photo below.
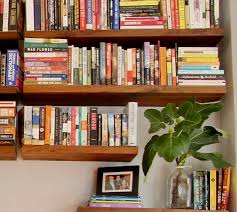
[
  {"x": 115, "y": 201},
  {"x": 10, "y": 74},
  {"x": 199, "y": 66},
  {"x": 52, "y": 61},
  {"x": 7, "y": 123},
  {"x": 79, "y": 126},
  {"x": 191, "y": 14},
  {"x": 8, "y": 15},
  {"x": 211, "y": 189},
  {"x": 121, "y": 14}
]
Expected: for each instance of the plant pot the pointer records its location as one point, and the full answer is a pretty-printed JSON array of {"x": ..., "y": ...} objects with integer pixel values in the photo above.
[{"x": 180, "y": 188}]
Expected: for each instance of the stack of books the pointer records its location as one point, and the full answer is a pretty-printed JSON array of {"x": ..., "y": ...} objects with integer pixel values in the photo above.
[
  {"x": 80, "y": 126},
  {"x": 8, "y": 15},
  {"x": 10, "y": 72},
  {"x": 211, "y": 189},
  {"x": 199, "y": 66},
  {"x": 7, "y": 123},
  {"x": 45, "y": 61},
  {"x": 115, "y": 201},
  {"x": 191, "y": 14},
  {"x": 140, "y": 14}
]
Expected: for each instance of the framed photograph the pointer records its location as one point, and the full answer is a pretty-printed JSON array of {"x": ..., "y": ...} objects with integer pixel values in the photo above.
[{"x": 118, "y": 181}]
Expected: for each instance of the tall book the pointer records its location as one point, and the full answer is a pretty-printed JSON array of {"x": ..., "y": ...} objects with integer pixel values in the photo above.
[
  {"x": 226, "y": 188},
  {"x": 213, "y": 189},
  {"x": 111, "y": 129},
  {"x": 93, "y": 126},
  {"x": 30, "y": 15},
  {"x": 28, "y": 125}
]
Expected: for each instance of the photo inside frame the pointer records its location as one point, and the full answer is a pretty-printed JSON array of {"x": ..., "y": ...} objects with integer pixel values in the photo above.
[{"x": 117, "y": 182}]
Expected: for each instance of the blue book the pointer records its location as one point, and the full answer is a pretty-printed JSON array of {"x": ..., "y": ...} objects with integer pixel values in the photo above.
[
  {"x": 89, "y": 14},
  {"x": 102, "y": 62},
  {"x": 37, "y": 14},
  {"x": 199, "y": 67},
  {"x": 115, "y": 198},
  {"x": 116, "y": 14},
  {"x": 12, "y": 67}
]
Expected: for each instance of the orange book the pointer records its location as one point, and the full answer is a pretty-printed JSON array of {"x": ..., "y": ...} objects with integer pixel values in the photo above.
[
  {"x": 173, "y": 58},
  {"x": 108, "y": 63},
  {"x": 134, "y": 66},
  {"x": 163, "y": 79},
  {"x": 47, "y": 124},
  {"x": 225, "y": 189}
]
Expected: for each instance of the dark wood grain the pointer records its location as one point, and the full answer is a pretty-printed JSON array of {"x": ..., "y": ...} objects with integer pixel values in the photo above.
[
  {"x": 118, "y": 95},
  {"x": 8, "y": 36},
  {"x": 181, "y": 36},
  {"x": 88, "y": 209},
  {"x": 78, "y": 153},
  {"x": 8, "y": 153}
]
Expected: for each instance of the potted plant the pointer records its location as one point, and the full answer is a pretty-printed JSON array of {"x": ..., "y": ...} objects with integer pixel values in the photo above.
[{"x": 184, "y": 137}]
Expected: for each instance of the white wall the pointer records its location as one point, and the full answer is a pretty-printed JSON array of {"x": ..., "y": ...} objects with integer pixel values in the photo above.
[{"x": 53, "y": 186}]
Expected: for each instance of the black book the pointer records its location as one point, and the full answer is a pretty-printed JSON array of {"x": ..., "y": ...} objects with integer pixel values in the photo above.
[{"x": 93, "y": 126}]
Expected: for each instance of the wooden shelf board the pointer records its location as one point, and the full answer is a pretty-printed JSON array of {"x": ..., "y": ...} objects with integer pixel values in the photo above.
[
  {"x": 204, "y": 36},
  {"x": 118, "y": 95},
  {"x": 12, "y": 35},
  {"x": 8, "y": 90},
  {"x": 88, "y": 209},
  {"x": 78, "y": 153},
  {"x": 8, "y": 153}
]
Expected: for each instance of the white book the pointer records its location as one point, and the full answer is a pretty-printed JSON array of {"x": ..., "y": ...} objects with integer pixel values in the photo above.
[
  {"x": 45, "y": 54},
  {"x": 208, "y": 16},
  {"x": 45, "y": 40},
  {"x": 83, "y": 114},
  {"x": 52, "y": 127},
  {"x": 217, "y": 12},
  {"x": 35, "y": 122},
  {"x": 65, "y": 14},
  {"x": 168, "y": 7},
  {"x": 120, "y": 64},
  {"x": 203, "y": 13},
  {"x": 198, "y": 49},
  {"x": 191, "y": 14},
  {"x": 132, "y": 110},
  {"x": 104, "y": 130},
  {"x": 84, "y": 56},
  {"x": 76, "y": 62},
  {"x": 29, "y": 15},
  {"x": 5, "y": 15},
  {"x": 28, "y": 125},
  {"x": 123, "y": 67}
]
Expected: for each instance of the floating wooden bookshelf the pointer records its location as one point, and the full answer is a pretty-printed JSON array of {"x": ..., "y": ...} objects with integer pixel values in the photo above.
[
  {"x": 8, "y": 153},
  {"x": 78, "y": 153},
  {"x": 182, "y": 36},
  {"x": 12, "y": 35},
  {"x": 9, "y": 93},
  {"x": 88, "y": 209},
  {"x": 109, "y": 95}
]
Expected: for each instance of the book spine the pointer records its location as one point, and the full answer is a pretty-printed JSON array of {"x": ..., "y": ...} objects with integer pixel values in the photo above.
[
  {"x": 169, "y": 67},
  {"x": 226, "y": 189},
  {"x": 116, "y": 13},
  {"x": 219, "y": 189},
  {"x": 125, "y": 67},
  {"x": 124, "y": 141},
  {"x": 207, "y": 190},
  {"x": 129, "y": 67},
  {"x": 76, "y": 14},
  {"x": 105, "y": 141},
  {"x": 147, "y": 65},
  {"x": 138, "y": 67},
  {"x": 173, "y": 58},
  {"x": 115, "y": 64},
  {"x": 83, "y": 15},
  {"x": 57, "y": 126},
  {"x": 89, "y": 15},
  {"x": 169, "y": 14},
  {"x": 12, "y": 67},
  {"x": 88, "y": 129},
  {"x": 7, "y": 121},
  {"x": 111, "y": 129},
  {"x": 164, "y": 12},
  {"x": 93, "y": 66},
  {"x": 88, "y": 67},
  {"x": 84, "y": 55},
  {"x": 93, "y": 14},
  {"x": 134, "y": 66},
  {"x": 48, "y": 110},
  {"x": 181, "y": 12},
  {"x": 173, "y": 16},
  {"x": 97, "y": 66},
  {"x": 163, "y": 80},
  {"x": 115, "y": 205},
  {"x": 42, "y": 15},
  {"x": 132, "y": 123},
  {"x": 98, "y": 14},
  {"x": 28, "y": 124},
  {"x": 117, "y": 129},
  {"x": 52, "y": 127},
  {"x": 3, "y": 69},
  {"x": 152, "y": 64},
  {"x": 77, "y": 126},
  {"x": 212, "y": 14},
  {"x": 69, "y": 124},
  {"x": 102, "y": 63},
  {"x": 42, "y": 114},
  {"x": 108, "y": 64},
  {"x": 202, "y": 190},
  {"x": 208, "y": 18},
  {"x": 83, "y": 111},
  {"x": 176, "y": 14},
  {"x": 56, "y": 14},
  {"x": 120, "y": 65},
  {"x": 93, "y": 126},
  {"x": 7, "y": 112},
  {"x": 187, "y": 14},
  {"x": 196, "y": 191},
  {"x": 12, "y": 15},
  {"x": 1, "y": 14},
  {"x": 5, "y": 15},
  {"x": 64, "y": 115},
  {"x": 142, "y": 68},
  {"x": 72, "y": 128},
  {"x": 217, "y": 13},
  {"x": 35, "y": 124},
  {"x": 213, "y": 189},
  {"x": 99, "y": 124}
]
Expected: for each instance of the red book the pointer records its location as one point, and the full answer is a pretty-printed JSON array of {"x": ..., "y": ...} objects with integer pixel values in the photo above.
[
  {"x": 173, "y": 13},
  {"x": 97, "y": 9},
  {"x": 225, "y": 189},
  {"x": 176, "y": 9},
  {"x": 46, "y": 68},
  {"x": 93, "y": 14},
  {"x": 73, "y": 125},
  {"x": 134, "y": 66},
  {"x": 45, "y": 59},
  {"x": 83, "y": 15},
  {"x": 108, "y": 63},
  {"x": 141, "y": 23},
  {"x": 142, "y": 19}
]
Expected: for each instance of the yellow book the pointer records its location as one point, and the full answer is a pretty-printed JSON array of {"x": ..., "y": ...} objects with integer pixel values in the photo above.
[
  {"x": 169, "y": 67},
  {"x": 47, "y": 124},
  {"x": 200, "y": 63},
  {"x": 198, "y": 55},
  {"x": 198, "y": 59},
  {"x": 213, "y": 192},
  {"x": 181, "y": 14},
  {"x": 139, "y": 3},
  {"x": 27, "y": 142}
]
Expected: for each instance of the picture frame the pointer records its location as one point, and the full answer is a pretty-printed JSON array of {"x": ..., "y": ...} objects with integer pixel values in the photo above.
[{"x": 118, "y": 181}]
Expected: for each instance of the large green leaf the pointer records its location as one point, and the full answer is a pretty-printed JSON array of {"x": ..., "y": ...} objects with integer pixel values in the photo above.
[
  {"x": 169, "y": 113},
  {"x": 206, "y": 109},
  {"x": 203, "y": 137},
  {"x": 185, "y": 109},
  {"x": 156, "y": 120},
  {"x": 149, "y": 154},
  {"x": 216, "y": 158},
  {"x": 170, "y": 146}
]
